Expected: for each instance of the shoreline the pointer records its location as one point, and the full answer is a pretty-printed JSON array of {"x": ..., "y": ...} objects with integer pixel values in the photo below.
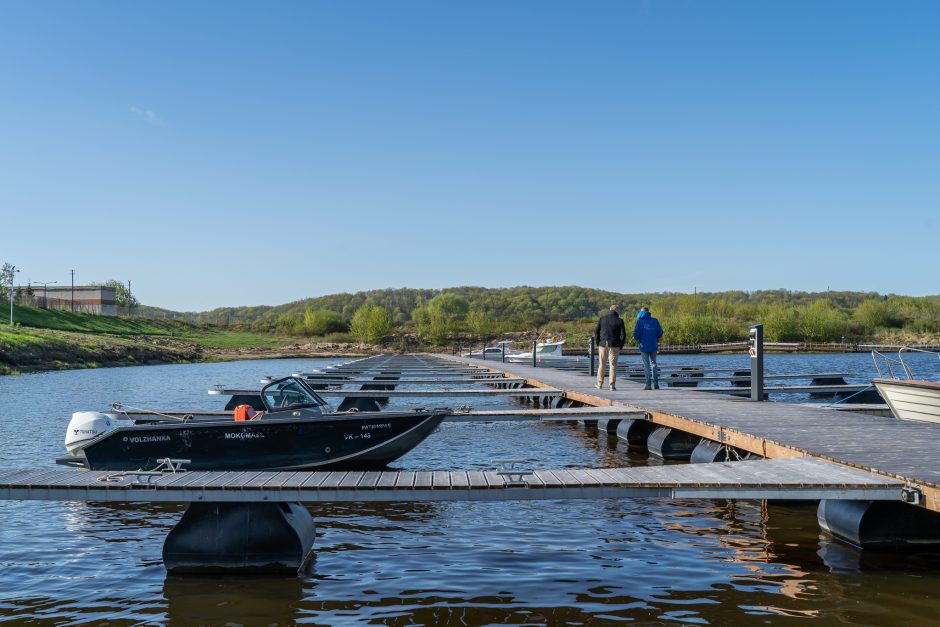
[{"x": 147, "y": 356}]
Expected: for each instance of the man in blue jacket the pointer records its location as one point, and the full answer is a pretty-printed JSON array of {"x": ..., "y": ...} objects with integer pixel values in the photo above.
[{"x": 647, "y": 332}]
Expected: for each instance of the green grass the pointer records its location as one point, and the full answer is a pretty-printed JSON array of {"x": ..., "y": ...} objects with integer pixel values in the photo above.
[
  {"x": 223, "y": 339},
  {"x": 60, "y": 320},
  {"x": 35, "y": 326}
]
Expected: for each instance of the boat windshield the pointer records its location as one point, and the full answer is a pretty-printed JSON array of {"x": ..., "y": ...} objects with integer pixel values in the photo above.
[{"x": 288, "y": 393}]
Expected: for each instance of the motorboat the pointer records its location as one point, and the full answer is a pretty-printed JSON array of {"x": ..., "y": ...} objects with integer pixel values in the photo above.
[
  {"x": 492, "y": 352},
  {"x": 287, "y": 426},
  {"x": 544, "y": 351},
  {"x": 909, "y": 397}
]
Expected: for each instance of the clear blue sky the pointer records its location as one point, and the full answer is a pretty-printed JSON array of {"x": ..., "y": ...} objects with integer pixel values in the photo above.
[{"x": 226, "y": 153}]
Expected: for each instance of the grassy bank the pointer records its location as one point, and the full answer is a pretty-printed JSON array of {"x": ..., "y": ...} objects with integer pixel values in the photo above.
[{"x": 56, "y": 340}]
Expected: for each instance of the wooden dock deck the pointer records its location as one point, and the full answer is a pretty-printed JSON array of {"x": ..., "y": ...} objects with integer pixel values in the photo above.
[
  {"x": 760, "y": 479},
  {"x": 893, "y": 448}
]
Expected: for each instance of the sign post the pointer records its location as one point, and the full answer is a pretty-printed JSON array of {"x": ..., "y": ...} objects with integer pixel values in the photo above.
[
  {"x": 755, "y": 348},
  {"x": 591, "y": 355}
]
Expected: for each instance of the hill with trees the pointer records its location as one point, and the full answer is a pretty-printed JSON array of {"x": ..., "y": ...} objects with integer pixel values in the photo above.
[{"x": 438, "y": 316}]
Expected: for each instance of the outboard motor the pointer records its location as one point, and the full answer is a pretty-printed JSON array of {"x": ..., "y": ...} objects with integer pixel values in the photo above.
[{"x": 84, "y": 427}]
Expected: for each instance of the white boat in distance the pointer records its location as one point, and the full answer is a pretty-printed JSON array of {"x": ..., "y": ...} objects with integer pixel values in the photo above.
[
  {"x": 909, "y": 398},
  {"x": 544, "y": 351},
  {"x": 491, "y": 352}
]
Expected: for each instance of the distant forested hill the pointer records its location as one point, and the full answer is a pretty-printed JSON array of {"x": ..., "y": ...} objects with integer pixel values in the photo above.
[
  {"x": 436, "y": 316},
  {"x": 524, "y": 304}
]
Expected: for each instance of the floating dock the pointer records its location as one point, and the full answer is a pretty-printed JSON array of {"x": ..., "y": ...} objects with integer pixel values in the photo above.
[
  {"x": 885, "y": 446},
  {"x": 874, "y": 476},
  {"x": 761, "y": 479}
]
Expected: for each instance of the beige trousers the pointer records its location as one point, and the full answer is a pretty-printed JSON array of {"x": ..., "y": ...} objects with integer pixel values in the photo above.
[{"x": 607, "y": 354}]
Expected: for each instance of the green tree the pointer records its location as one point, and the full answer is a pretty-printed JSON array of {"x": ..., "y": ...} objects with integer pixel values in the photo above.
[
  {"x": 440, "y": 318},
  {"x": 480, "y": 323},
  {"x": 6, "y": 277},
  {"x": 820, "y": 321},
  {"x": 781, "y": 324},
  {"x": 371, "y": 323},
  {"x": 449, "y": 306},
  {"x": 289, "y": 324},
  {"x": 320, "y": 322},
  {"x": 123, "y": 296}
]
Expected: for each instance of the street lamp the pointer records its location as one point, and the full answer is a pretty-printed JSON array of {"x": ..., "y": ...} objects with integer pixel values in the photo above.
[
  {"x": 13, "y": 272},
  {"x": 45, "y": 285}
]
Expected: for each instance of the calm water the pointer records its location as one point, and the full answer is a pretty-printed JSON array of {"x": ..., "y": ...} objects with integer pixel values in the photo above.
[{"x": 553, "y": 562}]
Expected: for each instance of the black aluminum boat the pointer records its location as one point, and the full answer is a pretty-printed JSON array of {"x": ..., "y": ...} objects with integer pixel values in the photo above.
[{"x": 292, "y": 433}]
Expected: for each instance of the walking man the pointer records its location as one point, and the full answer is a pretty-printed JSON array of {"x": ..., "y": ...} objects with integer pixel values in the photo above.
[
  {"x": 647, "y": 333},
  {"x": 609, "y": 336}
]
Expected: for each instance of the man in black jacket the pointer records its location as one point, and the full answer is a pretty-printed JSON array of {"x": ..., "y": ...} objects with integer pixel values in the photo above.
[{"x": 609, "y": 336}]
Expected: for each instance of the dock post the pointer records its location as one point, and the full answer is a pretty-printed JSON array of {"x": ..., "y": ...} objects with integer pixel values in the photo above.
[
  {"x": 755, "y": 348},
  {"x": 591, "y": 355},
  {"x": 535, "y": 363},
  {"x": 483, "y": 351},
  {"x": 504, "y": 351}
]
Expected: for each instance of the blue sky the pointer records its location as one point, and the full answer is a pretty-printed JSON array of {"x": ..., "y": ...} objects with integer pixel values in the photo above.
[{"x": 225, "y": 153}]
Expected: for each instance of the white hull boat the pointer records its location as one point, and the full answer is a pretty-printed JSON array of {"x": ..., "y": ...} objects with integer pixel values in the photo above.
[
  {"x": 909, "y": 398},
  {"x": 545, "y": 351}
]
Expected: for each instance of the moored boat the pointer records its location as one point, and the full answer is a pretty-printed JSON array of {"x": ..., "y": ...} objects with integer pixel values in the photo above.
[
  {"x": 291, "y": 432},
  {"x": 544, "y": 351},
  {"x": 909, "y": 398}
]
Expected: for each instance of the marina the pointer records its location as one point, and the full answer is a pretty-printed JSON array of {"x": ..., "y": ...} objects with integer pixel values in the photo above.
[
  {"x": 681, "y": 485},
  {"x": 852, "y": 489},
  {"x": 306, "y": 308}
]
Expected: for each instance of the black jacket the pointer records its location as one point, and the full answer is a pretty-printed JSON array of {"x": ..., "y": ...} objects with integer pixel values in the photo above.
[{"x": 610, "y": 329}]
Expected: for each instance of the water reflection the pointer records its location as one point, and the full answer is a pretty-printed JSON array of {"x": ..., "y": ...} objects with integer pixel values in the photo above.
[{"x": 192, "y": 600}]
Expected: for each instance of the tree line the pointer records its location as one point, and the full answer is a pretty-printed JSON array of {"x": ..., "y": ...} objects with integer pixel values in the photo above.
[{"x": 440, "y": 316}]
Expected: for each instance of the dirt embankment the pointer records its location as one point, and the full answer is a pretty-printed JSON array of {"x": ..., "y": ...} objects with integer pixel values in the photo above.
[{"x": 331, "y": 349}]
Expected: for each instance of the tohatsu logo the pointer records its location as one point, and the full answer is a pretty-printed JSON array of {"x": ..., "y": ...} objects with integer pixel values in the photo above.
[{"x": 92, "y": 431}]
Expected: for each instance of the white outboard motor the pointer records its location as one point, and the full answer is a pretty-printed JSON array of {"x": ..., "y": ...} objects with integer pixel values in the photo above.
[{"x": 85, "y": 426}]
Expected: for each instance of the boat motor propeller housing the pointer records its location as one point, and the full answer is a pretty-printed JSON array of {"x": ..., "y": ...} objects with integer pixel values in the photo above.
[{"x": 84, "y": 427}]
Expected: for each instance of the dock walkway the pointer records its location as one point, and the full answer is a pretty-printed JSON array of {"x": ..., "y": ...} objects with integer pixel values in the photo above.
[
  {"x": 759, "y": 479},
  {"x": 899, "y": 449}
]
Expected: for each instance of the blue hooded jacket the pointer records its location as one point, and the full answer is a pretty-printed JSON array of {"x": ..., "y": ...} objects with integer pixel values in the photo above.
[{"x": 647, "y": 332}]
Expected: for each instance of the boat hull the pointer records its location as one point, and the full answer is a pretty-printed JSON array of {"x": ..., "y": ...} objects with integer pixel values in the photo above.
[
  {"x": 330, "y": 442},
  {"x": 911, "y": 400}
]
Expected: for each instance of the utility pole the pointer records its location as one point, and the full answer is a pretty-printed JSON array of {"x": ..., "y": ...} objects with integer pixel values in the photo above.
[
  {"x": 73, "y": 291},
  {"x": 13, "y": 272}
]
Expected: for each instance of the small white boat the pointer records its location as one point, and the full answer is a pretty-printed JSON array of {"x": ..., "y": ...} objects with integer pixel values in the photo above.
[
  {"x": 491, "y": 352},
  {"x": 908, "y": 397},
  {"x": 544, "y": 351}
]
